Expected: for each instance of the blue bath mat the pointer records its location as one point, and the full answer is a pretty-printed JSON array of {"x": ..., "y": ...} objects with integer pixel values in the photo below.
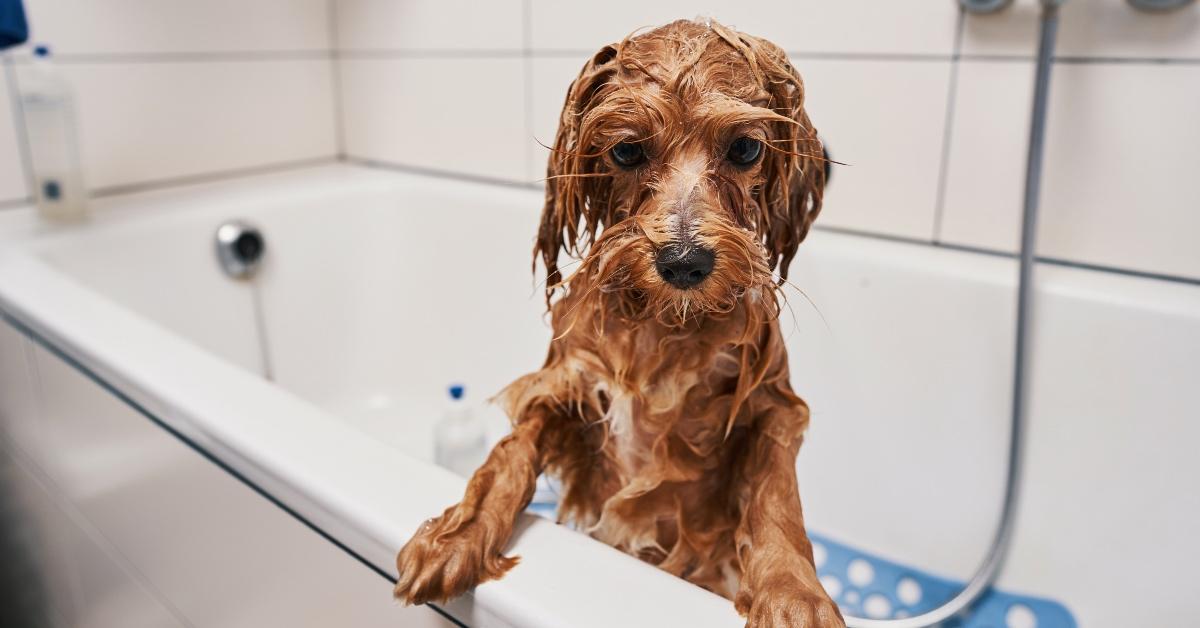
[{"x": 869, "y": 586}]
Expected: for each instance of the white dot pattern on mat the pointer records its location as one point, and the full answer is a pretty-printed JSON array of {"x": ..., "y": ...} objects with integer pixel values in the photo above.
[
  {"x": 1020, "y": 616},
  {"x": 852, "y": 597},
  {"x": 819, "y": 555},
  {"x": 877, "y": 607},
  {"x": 832, "y": 585},
  {"x": 908, "y": 591},
  {"x": 860, "y": 572}
]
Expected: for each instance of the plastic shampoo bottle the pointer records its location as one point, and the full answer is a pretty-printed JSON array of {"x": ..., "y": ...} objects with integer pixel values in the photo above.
[
  {"x": 49, "y": 110},
  {"x": 460, "y": 443}
]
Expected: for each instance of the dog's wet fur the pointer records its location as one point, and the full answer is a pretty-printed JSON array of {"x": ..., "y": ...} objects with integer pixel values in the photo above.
[{"x": 666, "y": 411}]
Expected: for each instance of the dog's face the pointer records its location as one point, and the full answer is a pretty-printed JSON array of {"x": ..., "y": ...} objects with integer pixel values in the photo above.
[{"x": 685, "y": 169}]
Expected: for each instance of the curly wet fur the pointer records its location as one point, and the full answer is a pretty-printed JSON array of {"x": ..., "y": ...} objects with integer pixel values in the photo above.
[{"x": 667, "y": 413}]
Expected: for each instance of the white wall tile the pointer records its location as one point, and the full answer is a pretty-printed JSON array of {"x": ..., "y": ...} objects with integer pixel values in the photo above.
[
  {"x": 985, "y": 174},
  {"x": 855, "y": 26},
  {"x": 460, "y": 115},
  {"x": 147, "y": 121},
  {"x": 1089, "y": 28},
  {"x": 1118, "y": 188},
  {"x": 1011, "y": 31},
  {"x": 429, "y": 25},
  {"x": 166, "y": 26},
  {"x": 1120, "y": 183},
  {"x": 13, "y": 185},
  {"x": 1115, "y": 29},
  {"x": 885, "y": 120},
  {"x": 551, "y": 79}
]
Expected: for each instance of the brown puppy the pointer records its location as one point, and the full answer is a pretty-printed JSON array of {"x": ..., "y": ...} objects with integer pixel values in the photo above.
[{"x": 684, "y": 171}]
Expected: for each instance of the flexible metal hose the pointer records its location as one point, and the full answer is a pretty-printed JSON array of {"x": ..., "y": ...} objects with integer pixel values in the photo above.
[{"x": 986, "y": 574}]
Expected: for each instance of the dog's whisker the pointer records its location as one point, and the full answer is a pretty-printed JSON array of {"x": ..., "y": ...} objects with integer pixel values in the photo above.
[
  {"x": 785, "y": 281},
  {"x": 795, "y": 320},
  {"x": 542, "y": 283},
  {"x": 805, "y": 155},
  {"x": 577, "y": 175}
]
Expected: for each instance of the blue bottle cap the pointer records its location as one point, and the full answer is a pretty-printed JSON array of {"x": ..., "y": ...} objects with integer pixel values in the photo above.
[
  {"x": 456, "y": 391},
  {"x": 41, "y": 50}
]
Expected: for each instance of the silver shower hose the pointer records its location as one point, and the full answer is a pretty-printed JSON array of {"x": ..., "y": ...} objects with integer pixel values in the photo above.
[{"x": 983, "y": 578}]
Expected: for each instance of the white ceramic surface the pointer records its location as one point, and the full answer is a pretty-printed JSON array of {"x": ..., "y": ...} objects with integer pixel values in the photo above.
[
  {"x": 425, "y": 25},
  {"x": 458, "y": 115}
]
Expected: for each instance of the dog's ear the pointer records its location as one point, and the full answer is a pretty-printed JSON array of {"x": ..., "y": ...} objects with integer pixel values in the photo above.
[
  {"x": 794, "y": 164},
  {"x": 574, "y": 177}
]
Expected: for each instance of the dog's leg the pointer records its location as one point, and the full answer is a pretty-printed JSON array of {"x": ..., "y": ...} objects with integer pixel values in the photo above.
[
  {"x": 779, "y": 585},
  {"x": 462, "y": 548}
]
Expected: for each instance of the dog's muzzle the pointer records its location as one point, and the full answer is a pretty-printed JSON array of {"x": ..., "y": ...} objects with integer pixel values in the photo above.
[{"x": 684, "y": 266}]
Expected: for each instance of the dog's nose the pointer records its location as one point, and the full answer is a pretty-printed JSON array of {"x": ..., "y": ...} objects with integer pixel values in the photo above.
[{"x": 684, "y": 266}]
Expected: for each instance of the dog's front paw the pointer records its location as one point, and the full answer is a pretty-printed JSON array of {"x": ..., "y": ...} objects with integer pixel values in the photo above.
[
  {"x": 790, "y": 603},
  {"x": 446, "y": 557}
]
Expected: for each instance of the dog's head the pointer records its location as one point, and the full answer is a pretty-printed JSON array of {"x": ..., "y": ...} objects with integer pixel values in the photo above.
[{"x": 685, "y": 170}]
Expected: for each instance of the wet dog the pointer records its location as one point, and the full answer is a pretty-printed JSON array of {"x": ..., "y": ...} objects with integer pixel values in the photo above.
[{"x": 684, "y": 176}]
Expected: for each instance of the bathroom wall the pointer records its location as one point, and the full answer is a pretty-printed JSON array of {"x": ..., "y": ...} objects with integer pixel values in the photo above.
[
  {"x": 173, "y": 90},
  {"x": 929, "y": 109},
  {"x": 930, "y": 117}
]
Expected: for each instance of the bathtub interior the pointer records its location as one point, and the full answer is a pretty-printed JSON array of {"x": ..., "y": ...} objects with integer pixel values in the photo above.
[
  {"x": 378, "y": 289},
  {"x": 406, "y": 293}
]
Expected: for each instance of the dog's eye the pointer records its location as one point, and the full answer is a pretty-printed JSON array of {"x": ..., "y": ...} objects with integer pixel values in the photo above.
[
  {"x": 744, "y": 151},
  {"x": 627, "y": 154}
]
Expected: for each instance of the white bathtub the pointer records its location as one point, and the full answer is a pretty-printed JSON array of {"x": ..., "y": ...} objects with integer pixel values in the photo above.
[{"x": 172, "y": 482}]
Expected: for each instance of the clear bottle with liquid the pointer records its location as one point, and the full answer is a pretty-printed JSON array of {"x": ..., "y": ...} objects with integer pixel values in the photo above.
[
  {"x": 48, "y": 106},
  {"x": 460, "y": 440}
]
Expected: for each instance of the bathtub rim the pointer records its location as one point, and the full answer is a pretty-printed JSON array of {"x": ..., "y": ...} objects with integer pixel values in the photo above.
[{"x": 179, "y": 386}]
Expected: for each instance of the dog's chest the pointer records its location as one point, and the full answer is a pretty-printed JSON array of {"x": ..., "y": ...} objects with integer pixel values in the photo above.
[{"x": 662, "y": 403}]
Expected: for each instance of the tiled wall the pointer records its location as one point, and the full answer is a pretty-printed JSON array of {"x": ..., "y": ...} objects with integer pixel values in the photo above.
[
  {"x": 929, "y": 108},
  {"x": 170, "y": 90}
]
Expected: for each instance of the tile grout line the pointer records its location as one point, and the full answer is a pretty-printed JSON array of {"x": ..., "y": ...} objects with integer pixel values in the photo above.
[
  {"x": 1053, "y": 261},
  {"x": 18, "y": 120},
  {"x": 439, "y": 53},
  {"x": 74, "y": 58},
  {"x": 339, "y": 124},
  {"x": 83, "y": 58},
  {"x": 977, "y": 250},
  {"x": 440, "y": 173},
  {"x": 939, "y": 204},
  {"x": 1081, "y": 60},
  {"x": 209, "y": 177},
  {"x": 1116, "y": 270}
]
